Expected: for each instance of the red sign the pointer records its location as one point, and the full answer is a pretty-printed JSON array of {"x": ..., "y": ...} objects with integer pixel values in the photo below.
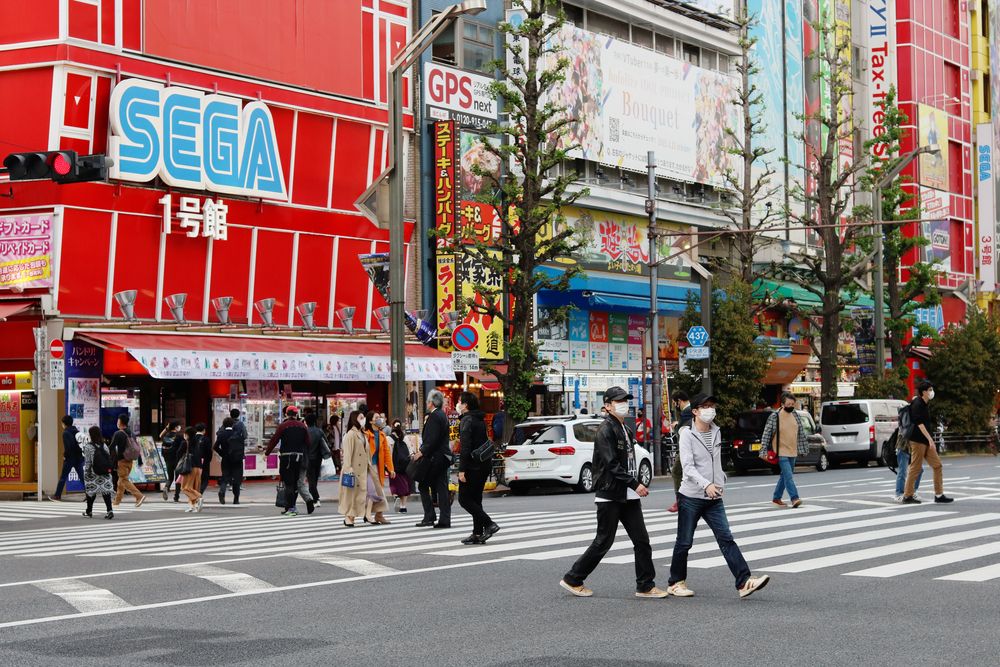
[
  {"x": 444, "y": 181},
  {"x": 56, "y": 349},
  {"x": 465, "y": 337}
]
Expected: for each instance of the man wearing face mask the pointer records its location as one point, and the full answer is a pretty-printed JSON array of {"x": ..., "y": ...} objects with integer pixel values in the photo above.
[
  {"x": 701, "y": 498},
  {"x": 922, "y": 446},
  {"x": 785, "y": 434},
  {"x": 618, "y": 494}
]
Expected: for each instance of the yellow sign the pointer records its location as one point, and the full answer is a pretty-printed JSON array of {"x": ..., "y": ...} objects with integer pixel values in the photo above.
[
  {"x": 473, "y": 272},
  {"x": 15, "y": 381},
  {"x": 934, "y": 131},
  {"x": 446, "y": 298}
]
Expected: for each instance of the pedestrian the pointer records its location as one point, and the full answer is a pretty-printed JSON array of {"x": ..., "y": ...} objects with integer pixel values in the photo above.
[
  {"x": 472, "y": 473},
  {"x": 205, "y": 450},
  {"x": 401, "y": 485},
  {"x": 683, "y": 407},
  {"x": 380, "y": 466},
  {"x": 499, "y": 422},
  {"x": 72, "y": 456},
  {"x": 701, "y": 498},
  {"x": 97, "y": 468},
  {"x": 187, "y": 445},
  {"x": 922, "y": 447},
  {"x": 902, "y": 467},
  {"x": 293, "y": 436},
  {"x": 354, "y": 475},
  {"x": 785, "y": 434},
  {"x": 230, "y": 445},
  {"x": 169, "y": 437},
  {"x": 333, "y": 438},
  {"x": 436, "y": 456},
  {"x": 319, "y": 449},
  {"x": 125, "y": 451},
  {"x": 643, "y": 425},
  {"x": 617, "y": 493}
]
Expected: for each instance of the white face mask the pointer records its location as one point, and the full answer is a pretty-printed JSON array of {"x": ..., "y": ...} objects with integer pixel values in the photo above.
[
  {"x": 362, "y": 421},
  {"x": 707, "y": 415},
  {"x": 621, "y": 409},
  {"x": 930, "y": 395}
]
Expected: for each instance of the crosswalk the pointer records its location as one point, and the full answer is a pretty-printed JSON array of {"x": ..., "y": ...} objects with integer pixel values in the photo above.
[{"x": 12, "y": 512}]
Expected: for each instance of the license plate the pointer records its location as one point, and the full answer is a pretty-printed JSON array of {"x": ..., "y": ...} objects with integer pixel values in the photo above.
[
  {"x": 755, "y": 447},
  {"x": 533, "y": 464}
]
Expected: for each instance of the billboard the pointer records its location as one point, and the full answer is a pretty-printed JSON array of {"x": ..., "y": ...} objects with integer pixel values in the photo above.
[
  {"x": 986, "y": 202},
  {"x": 26, "y": 251},
  {"x": 769, "y": 54},
  {"x": 933, "y": 128},
  {"x": 628, "y": 100},
  {"x": 462, "y": 96},
  {"x": 937, "y": 228},
  {"x": 794, "y": 90}
]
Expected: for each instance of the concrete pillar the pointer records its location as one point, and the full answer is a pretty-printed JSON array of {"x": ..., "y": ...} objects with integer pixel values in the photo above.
[{"x": 51, "y": 405}]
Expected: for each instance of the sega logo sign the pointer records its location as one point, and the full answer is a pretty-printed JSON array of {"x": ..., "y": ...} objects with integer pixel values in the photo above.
[
  {"x": 460, "y": 92},
  {"x": 194, "y": 140},
  {"x": 985, "y": 162}
]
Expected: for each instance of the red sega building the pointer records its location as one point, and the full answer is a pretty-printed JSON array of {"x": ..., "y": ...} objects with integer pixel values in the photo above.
[{"x": 252, "y": 202}]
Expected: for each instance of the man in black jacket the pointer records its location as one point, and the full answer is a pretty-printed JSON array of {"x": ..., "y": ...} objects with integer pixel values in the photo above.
[
  {"x": 618, "y": 494},
  {"x": 294, "y": 438},
  {"x": 204, "y": 449},
  {"x": 434, "y": 471},
  {"x": 683, "y": 405},
  {"x": 472, "y": 473},
  {"x": 72, "y": 456},
  {"x": 120, "y": 442},
  {"x": 231, "y": 451}
]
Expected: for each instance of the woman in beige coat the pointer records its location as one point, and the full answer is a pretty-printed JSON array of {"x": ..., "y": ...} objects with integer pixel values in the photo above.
[{"x": 356, "y": 460}]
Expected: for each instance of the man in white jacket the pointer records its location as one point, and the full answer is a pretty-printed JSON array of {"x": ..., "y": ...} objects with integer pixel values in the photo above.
[{"x": 701, "y": 498}]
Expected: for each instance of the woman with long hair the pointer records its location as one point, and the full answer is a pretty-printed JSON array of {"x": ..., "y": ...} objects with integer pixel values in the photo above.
[
  {"x": 379, "y": 466},
  {"x": 401, "y": 485},
  {"x": 96, "y": 478},
  {"x": 191, "y": 483},
  {"x": 356, "y": 461}
]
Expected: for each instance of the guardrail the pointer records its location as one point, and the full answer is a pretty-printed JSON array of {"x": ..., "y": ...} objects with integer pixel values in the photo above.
[{"x": 964, "y": 441}]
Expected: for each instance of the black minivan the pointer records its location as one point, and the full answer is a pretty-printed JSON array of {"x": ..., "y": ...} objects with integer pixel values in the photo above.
[{"x": 743, "y": 442}]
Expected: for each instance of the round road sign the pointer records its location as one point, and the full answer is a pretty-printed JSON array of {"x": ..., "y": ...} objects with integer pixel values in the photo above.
[
  {"x": 56, "y": 349},
  {"x": 465, "y": 337}
]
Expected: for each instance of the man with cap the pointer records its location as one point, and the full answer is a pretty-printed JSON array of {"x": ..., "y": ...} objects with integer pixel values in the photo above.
[
  {"x": 618, "y": 494},
  {"x": 294, "y": 438},
  {"x": 701, "y": 498}
]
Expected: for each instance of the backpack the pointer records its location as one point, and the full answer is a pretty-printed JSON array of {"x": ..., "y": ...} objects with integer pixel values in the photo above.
[
  {"x": 102, "y": 459},
  {"x": 905, "y": 430},
  {"x": 889, "y": 452},
  {"x": 400, "y": 455},
  {"x": 132, "y": 451}
]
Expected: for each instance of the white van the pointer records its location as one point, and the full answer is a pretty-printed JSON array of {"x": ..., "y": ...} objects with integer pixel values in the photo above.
[{"x": 856, "y": 429}]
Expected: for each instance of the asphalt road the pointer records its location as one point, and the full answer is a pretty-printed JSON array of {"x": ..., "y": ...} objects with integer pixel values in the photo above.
[{"x": 855, "y": 580}]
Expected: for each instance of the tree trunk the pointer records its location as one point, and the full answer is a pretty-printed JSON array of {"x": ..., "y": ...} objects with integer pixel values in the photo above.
[
  {"x": 829, "y": 338},
  {"x": 895, "y": 311}
]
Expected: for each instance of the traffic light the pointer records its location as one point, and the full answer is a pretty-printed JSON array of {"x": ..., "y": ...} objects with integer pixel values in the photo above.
[{"x": 59, "y": 166}]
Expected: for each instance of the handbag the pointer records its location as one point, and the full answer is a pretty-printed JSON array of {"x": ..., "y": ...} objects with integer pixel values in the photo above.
[
  {"x": 185, "y": 465},
  {"x": 279, "y": 499},
  {"x": 347, "y": 480},
  {"x": 483, "y": 452},
  {"x": 770, "y": 455}
]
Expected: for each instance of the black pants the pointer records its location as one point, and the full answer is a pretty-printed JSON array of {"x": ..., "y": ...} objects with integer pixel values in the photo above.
[
  {"x": 290, "y": 469},
  {"x": 69, "y": 464},
  {"x": 232, "y": 475},
  {"x": 205, "y": 472},
  {"x": 312, "y": 474},
  {"x": 629, "y": 513},
  {"x": 91, "y": 499},
  {"x": 436, "y": 483},
  {"x": 470, "y": 497},
  {"x": 171, "y": 464}
]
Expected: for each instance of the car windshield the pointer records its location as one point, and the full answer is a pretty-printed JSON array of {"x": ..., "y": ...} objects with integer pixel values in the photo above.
[
  {"x": 752, "y": 421},
  {"x": 541, "y": 433},
  {"x": 840, "y": 414}
]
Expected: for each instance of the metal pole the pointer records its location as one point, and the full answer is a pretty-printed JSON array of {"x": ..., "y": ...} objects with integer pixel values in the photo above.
[
  {"x": 654, "y": 315},
  {"x": 879, "y": 289},
  {"x": 706, "y": 321},
  {"x": 397, "y": 252}
]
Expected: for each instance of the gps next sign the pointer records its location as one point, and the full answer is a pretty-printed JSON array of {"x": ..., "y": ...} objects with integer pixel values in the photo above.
[
  {"x": 454, "y": 94},
  {"x": 194, "y": 140}
]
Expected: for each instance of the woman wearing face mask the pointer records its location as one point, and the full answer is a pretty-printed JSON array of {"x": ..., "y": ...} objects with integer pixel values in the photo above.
[
  {"x": 785, "y": 434},
  {"x": 356, "y": 461},
  {"x": 401, "y": 485},
  {"x": 380, "y": 466},
  {"x": 472, "y": 473},
  {"x": 701, "y": 498}
]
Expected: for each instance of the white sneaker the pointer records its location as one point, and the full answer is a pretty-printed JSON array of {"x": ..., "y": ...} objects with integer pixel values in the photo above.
[
  {"x": 917, "y": 496},
  {"x": 316, "y": 504},
  {"x": 680, "y": 590},
  {"x": 579, "y": 591},
  {"x": 754, "y": 584},
  {"x": 898, "y": 500},
  {"x": 189, "y": 509},
  {"x": 198, "y": 505}
]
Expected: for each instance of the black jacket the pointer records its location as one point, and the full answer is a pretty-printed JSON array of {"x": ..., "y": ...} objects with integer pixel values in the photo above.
[
  {"x": 71, "y": 449},
  {"x": 205, "y": 446},
  {"x": 612, "y": 450},
  {"x": 687, "y": 416},
  {"x": 228, "y": 445},
  {"x": 471, "y": 435},
  {"x": 293, "y": 436},
  {"x": 318, "y": 446},
  {"x": 435, "y": 436}
]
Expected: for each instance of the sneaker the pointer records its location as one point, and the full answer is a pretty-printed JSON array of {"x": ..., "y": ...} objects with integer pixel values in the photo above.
[
  {"x": 910, "y": 500},
  {"x": 198, "y": 505},
  {"x": 139, "y": 501},
  {"x": 88, "y": 515},
  {"x": 164, "y": 494},
  {"x": 189, "y": 509},
  {"x": 316, "y": 503},
  {"x": 754, "y": 584},
  {"x": 403, "y": 510},
  {"x": 918, "y": 496},
  {"x": 490, "y": 531},
  {"x": 472, "y": 539},
  {"x": 943, "y": 499},
  {"x": 579, "y": 591},
  {"x": 779, "y": 502},
  {"x": 290, "y": 512},
  {"x": 673, "y": 508},
  {"x": 898, "y": 500},
  {"x": 680, "y": 590},
  {"x": 654, "y": 592},
  {"x": 310, "y": 507},
  {"x": 109, "y": 515},
  {"x": 796, "y": 503}
]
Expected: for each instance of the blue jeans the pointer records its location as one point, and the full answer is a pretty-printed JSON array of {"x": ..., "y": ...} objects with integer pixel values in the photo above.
[
  {"x": 690, "y": 510},
  {"x": 902, "y": 463},
  {"x": 69, "y": 464},
  {"x": 787, "y": 466}
]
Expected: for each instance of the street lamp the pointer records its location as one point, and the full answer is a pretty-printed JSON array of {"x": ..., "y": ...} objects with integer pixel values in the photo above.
[
  {"x": 408, "y": 55},
  {"x": 884, "y": 180}
]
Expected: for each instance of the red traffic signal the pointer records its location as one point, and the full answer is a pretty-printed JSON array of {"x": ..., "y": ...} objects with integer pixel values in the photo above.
[{"x": 58, "y": 166}]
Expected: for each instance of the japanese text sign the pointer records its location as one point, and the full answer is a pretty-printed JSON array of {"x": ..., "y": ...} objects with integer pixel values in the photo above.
[{"x": 26, "y": 251}]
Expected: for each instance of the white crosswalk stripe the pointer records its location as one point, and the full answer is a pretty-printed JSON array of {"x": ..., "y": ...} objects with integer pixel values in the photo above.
[
  {"x": 12, "y": 511},
  {"x": 83, "y": 596}
]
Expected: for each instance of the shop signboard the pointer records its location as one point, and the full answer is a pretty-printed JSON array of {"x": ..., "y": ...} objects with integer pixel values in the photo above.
[
  {"x": 479, "y": 285},
  {"x": 26, "y": 251},
  {"x": 446, "y": 298},
  {"x": 986, "y": 201},
  {"x": 618, "y": 342},
  {"x": 933, "y": 132},
  {"x": 579, "y": 339},
  {"x": 193, "y": 140},
  {"x": 10, "y": 436},
  {"x": 84, "y": 365},
  {"x": 598, "y": 341},
  {"x": 445, "y": 186},
  {"x": 553, "y": 338},
  {"x": 636, "y": 330},
  {"x": 459, "y": 95}
]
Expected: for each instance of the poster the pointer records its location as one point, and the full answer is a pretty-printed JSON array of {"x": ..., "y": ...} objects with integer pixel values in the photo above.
[
  {"x": 26, "y": 251},
  {"x": 10, "y": 436},
  {"x": 579, "y": 339},
  {"x": 598, "y": 341},
  {"x": 84, "y": 365},
  {"x": 864, "y": 339},
  {"x": 933, "y": 132},
  {"x": 472, "y": 273},
  {"x": 618, "y": 342},
  {"x": 553, "y": 339},
  {"x": 937, "y": 228},
  {"x": 636, "y": 331},
  {"x": 152, "y": 469}
]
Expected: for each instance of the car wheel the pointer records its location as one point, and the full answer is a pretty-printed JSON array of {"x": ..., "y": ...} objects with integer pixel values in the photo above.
[
  {"x": 822, "y": 463},
  {"x": 586, "y": 484},
  {"x": 518, "y": 488},
  {"x": 645, "y": 473}
]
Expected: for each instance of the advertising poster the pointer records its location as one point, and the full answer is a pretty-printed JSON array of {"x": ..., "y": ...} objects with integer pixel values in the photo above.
[
  {"x": 473, "y": 273},
  {"x": 768, "y": 53},
  {"x": 794, "y": 90},
  {"x": 636, "y": 330},
  {"x": 553, "y": 339},
  {"x": 598, "y": 341},
  {"x": 446, "y": 298},
  {"x": 84, "y": 364},
  {"x": 10, "y": 436},
  {"x": 986, "y": 202},
  {"x": 26, "y": 251},
  {"x": 152, "y": 469},
  {"x": 475, "y": 157},
  {"x": 864, "y": 339},
  {"x": 445, "y": 188},
  {"x": 618, "y": 342},
  {"x": 934, "y": 132},
  {"x": 937, "y": 228},
  {"x": 579, "y": 339}
]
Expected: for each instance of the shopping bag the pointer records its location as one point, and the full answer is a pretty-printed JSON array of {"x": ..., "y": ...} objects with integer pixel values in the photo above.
[
  {"x": 279, "y": 500},
  {"x": 327, "y": 468}
]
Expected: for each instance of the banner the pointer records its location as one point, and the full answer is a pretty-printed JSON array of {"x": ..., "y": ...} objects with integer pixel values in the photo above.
[
  {"x": 618, "y": 342},
  {"x": 986, "y": 201},
  {"x": 579, "y": 339},
  {"x": 937, "y": 228},
  {"x": 446, "y": 298},
  {"x": 444, "y": 181},
  {"x": 10, "y": 436},
  {"x": 933, "y": 132},
  {"x": 598, "y": 341},
  {"x": 26, "y": 251},
  {"x": 629, "y": 100},
  {"x": 472, "y": 272}
]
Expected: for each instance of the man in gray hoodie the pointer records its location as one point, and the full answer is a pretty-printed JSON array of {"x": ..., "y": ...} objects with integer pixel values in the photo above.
[{"x": 700, "y": 497}]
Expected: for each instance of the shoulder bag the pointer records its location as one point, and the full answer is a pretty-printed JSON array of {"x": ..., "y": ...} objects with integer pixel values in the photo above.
[
  {"x": 484, "y": 452},
  {"x": 347, "y": 480}
]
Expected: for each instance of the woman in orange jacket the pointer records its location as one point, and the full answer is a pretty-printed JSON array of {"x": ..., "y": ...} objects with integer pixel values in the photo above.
[{"x": 379, "y": 467}]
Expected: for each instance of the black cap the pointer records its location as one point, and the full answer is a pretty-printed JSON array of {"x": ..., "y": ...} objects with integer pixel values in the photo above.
[
  {"x": 617, "y": 394},
  {"x": 700, "y": 399}
]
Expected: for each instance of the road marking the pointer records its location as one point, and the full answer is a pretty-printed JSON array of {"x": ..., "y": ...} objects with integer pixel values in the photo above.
[
  {"x": 84, "y": 597},
  {"x": 928, "y": 562},
  {"x": 356, "y": 565},
  {"x": 237, "y": 582},
  {"x": 880, "y": 551},
  {"x": 979, "y": 574}
]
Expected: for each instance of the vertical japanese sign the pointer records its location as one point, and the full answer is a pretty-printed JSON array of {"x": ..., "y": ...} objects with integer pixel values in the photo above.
[
  {"x": 986, "y": 194},
  {"x": 579, "y": 339},
  {"x": 473, "y": 274},
  {"x": 444, "y": 181},
  {"x": 618, "y": 342},
  {"x": 598, "y": 341},
  {"x": 636, "y": 331},
  {"x": 10, "y": 436},
  {"x": 26, "y": 250},
  {"x": 445, "y": 298},
  {"x": 84, "y": 365}
]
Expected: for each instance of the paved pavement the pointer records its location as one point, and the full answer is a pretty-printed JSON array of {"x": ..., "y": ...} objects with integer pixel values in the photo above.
[{"x": 856, "y": 579}]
